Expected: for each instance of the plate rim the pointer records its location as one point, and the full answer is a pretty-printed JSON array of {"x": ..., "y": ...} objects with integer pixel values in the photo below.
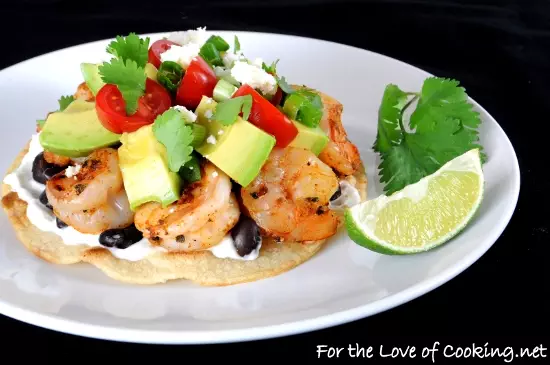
[{"x": 289, "y": 328}]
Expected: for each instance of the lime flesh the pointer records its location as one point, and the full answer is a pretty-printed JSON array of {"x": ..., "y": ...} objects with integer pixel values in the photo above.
[{"x": 423, "y": 215}]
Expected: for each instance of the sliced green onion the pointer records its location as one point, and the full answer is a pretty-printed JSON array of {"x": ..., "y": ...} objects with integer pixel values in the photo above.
[
  {"x": 293, "y": 103},
  {"x": 223, "y": 90},
  {"x": 220, "y": 43},
  {"x": 169, "y": 75},
  {"x": 305, "y": 107},
  {"x": 199, "y": 134},
  {"x": 313, "y": 97},
  {"x": 309, "y": 115},
  {"x": 191, "y": 171},
  {"x": 210, "y": 54}
]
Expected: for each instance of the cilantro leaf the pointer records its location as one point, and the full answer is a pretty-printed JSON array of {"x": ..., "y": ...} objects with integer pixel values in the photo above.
[
  {"x": 445, "y": 127},
  {"x": 237, "y": 46},
  {"x": 389, "y": 131},
  {"x": 272, "y": 69},
  {"x": 128, "y": 77},
  {"x": 65, "y": 101},
  {"x": 228, "y": 110},
  {"x": 284, "y": 85},
  {"x": 131, "y": 47},
  {"x": 170, "y": 129}
]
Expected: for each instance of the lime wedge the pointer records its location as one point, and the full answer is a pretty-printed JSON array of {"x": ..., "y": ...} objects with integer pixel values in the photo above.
[{"x": 423, "y": 215}]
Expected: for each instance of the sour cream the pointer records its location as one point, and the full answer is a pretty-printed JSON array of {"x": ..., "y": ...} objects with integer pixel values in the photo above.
[
  {"x": 226, "y": 250},
  {"x": 348, "y": 198},
  {"x": 29, "y": 190}
]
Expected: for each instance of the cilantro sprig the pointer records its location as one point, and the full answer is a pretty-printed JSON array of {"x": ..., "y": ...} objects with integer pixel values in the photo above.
[
  {"x": 126, "y": 69},
  {"x": 128, "y": 77},
  {"x": 442, "y": 126},
  {"x": 171, "y": 130},
  {"x": 64, "y": 101},
  {"x": 228, "y": 110},
  {"x": 131, "y": 47}
]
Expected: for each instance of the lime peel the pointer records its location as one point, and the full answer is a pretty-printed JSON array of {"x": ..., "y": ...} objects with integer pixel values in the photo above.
[{"x": 423, "y": 215}]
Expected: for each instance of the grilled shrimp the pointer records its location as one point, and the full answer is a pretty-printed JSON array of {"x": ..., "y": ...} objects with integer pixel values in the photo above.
[
  {"x": 289, "y": 197},
  {"x": 83, "y": 92},
  {"x": 58, "y": 160},
  {"x": 93, "y": 199},
  {"x": 205, "y": 212},
  {"x": 340, "y": 154}
]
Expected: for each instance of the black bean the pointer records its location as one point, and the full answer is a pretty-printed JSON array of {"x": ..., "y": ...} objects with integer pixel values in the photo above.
[
  {"x": 246, "y": 236},
  {"x": 50, "y": 172},
  {"x": 132, "y": 234},
  {"x": 111, "y": 237},
  {"x": 336, "y": 195},
  {"x": 42, "y": 171},
  {"x": 120, "y": 237},
  {"x": 44, "y": 200},
  {"x": 60, "y": 223},
  {"x": 116, "y": 145}
]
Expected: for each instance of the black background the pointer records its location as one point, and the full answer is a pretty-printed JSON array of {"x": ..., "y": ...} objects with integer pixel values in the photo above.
[{"x": 499, "y": 50}]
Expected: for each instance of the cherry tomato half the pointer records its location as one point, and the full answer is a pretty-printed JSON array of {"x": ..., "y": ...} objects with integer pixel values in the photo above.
[
  {"x": 267, "y": 117},
  {"x": 157, "y": 48},
  {"x": 199, "y": 79},
  {"x": 111, "y": 107}
]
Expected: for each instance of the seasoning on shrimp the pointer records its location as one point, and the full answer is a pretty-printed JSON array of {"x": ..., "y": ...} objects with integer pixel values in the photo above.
[
  {"x": 206, "y": 211},
  {"x": 93, "y": 200},
  {"x": 289, "y": 198}
]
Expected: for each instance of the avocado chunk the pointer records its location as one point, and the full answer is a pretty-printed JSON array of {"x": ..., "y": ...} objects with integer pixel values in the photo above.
[
  {"x": 90, "y": 71},
  {"x": 313, "y": 139},
  {"x": 145, "y": 171},
  {"x": 76, "y": 131},
  {"x": 240, "y": 150}
]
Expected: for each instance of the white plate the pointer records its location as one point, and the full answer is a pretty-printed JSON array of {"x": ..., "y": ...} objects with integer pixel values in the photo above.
[{"x": 344, "y": 282}]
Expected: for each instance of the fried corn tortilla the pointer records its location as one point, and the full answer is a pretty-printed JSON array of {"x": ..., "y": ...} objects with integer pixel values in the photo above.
[{"x": 202, "y": 268}]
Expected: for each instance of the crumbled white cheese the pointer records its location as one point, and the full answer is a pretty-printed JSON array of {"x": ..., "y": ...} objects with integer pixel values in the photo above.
[
  {"x": 72, "y": 170},
  {"x": 211, "y": 139},
  {"x": 254, "y": 76},
  {"x": 190, "y": 167},
  {"x": 258, "y": 62},
  {"x": 230, "y": 58},
  {"x": 187, "y": 114},
  {"x": 183, "y": 55},
  {"x": 208, "y": 114},
  {"x": 220, "y": 132},
  {"x": 197, "y": 36},
  {"x": 215, "y": 174}
]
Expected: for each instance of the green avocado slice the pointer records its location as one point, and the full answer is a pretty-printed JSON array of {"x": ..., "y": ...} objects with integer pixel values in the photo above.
[
  {"x": 240, "y": 150},
  {"x": 76, "y": 131}
]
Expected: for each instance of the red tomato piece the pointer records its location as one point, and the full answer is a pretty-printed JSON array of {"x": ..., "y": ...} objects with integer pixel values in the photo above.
[
  {"x": 276, "y": 99},
  {"x": 267, "y": 117},
  {"x": 199, "y": 79},
  {"x": 111, "y": 107},
  {"x": 157, "y": 48}
]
